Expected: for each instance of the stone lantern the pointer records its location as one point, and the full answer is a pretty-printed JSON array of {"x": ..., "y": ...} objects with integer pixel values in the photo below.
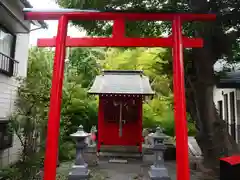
[
  {"x": 158, "y": 171},
  {"x": 79, "y": 170}
]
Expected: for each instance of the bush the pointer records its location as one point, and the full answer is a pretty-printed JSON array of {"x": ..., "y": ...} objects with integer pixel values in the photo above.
[
  {"x": 165, "y": 120},
  {"x": 23, "y": 170},
  {"x": 67, "y": 151},
  {"x": 191, "y": 129},
  {"x": 149, "y": 117}
]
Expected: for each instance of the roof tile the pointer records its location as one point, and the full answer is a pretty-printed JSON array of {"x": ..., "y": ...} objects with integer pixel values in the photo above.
[{"x": 121, "y": 82}]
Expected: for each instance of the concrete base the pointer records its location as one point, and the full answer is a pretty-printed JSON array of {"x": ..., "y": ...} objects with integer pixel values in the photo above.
[
  {"x": 79, "y": 173},
  {"x": 158, "y": 173}
]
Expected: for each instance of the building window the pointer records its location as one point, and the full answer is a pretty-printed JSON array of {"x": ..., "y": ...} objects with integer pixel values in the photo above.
[
  {"x": 6, "y": 135},
  {"x": 226, "y": 107},
  {"x": 232, "y": 115},
  {"x": 8, "y": 65},
  {"x": 220, "y": 109}
]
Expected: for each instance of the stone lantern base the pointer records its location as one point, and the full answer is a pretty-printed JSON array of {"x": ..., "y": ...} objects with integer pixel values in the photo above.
[
  {"x": 158, "y": 173},
  {"x": 79, "y": 173}
]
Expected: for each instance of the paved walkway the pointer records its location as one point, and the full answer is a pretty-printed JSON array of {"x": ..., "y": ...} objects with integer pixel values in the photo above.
[{"x": 133, "y": 170}]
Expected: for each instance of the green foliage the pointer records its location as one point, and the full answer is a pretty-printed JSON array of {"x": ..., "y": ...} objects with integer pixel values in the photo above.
[
  {"x": 141, "y": 59},
  {"x": 29, "y": 121},
  {"x": 69, "y": 147},
  {"x": 149, "y": 118},
  {"x": 167, "y": 122},
  {"x": 191, "y": 129},
  {"x": 33, "y": 95},
  {"x": 26, "y": 170},
  {"x": 85, "y": 63},
  {"x": 224, "y": 40}
]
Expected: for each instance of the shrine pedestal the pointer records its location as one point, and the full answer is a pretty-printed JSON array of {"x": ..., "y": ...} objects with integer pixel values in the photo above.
[
  {"x": 79, "y": 172},
  {"x": 158, "y": 173}
]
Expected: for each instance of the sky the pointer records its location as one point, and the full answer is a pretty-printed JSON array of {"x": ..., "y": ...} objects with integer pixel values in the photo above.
[{"x": 52, "y": 25}]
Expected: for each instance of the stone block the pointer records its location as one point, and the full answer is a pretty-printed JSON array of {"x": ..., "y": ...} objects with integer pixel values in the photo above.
[
  {"x": 158, "y": 173},
  {"x": 79, "y": 173}
]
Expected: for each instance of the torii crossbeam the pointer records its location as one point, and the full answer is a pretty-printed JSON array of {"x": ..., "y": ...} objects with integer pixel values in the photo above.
[{"x": 177, "y": 42}]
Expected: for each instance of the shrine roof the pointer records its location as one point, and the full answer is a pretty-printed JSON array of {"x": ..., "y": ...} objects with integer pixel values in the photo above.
[{"x": 121, "y": 82}]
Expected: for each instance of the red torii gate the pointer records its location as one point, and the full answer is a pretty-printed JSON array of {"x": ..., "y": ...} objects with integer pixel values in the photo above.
[{"x": 118, "y": 39}]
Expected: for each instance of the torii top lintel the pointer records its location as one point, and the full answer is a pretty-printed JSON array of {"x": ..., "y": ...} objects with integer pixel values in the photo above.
[
  {"x": 118, "y": 38},
  {"x": 75, "y": 14}
]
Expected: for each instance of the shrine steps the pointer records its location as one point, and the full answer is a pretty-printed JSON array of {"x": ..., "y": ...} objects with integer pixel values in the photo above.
[
  {"x": 119, "y": 155},
  {"x": 126, "y": 149},
  {"x": 120, "y": 152}
]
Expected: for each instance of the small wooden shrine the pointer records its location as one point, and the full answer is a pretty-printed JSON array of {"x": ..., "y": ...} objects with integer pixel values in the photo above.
[{"x": 121, "y": 95}]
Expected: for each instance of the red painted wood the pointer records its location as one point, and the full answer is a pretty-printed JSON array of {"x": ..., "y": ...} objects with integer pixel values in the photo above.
[
  {"x": 140, "y": 123},
  {"x": 118, "y": 28},
  {"x": 50, "y": 15},
  {"x": 233, "y": 160},
  {"x": 129, "y": 134},
  {"x": 100, "y": 123},
  {"x": 50, "y": 162},
  {"x": 110, "y": 130},
  {"x": 181, "y": 130},
  {"x": 121, "y": 42}
]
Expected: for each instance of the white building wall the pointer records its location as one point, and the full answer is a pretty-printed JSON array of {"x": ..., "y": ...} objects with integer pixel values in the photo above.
[
  {"x": 21, "y": 53},
  {"x": 238, "y": 114},
  {"x": 218, "y": 95},
  {"x": 8, "y": 87}
]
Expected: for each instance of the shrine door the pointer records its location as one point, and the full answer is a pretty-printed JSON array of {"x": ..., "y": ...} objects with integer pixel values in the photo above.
[{"x": 122, "y": 121}]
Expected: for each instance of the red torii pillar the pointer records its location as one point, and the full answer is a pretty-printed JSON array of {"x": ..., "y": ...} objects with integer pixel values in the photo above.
[{"x": 118, "y": 39}]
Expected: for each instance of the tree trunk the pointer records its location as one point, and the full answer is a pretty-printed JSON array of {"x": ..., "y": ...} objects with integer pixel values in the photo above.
[{"x": 212, "y": 136}]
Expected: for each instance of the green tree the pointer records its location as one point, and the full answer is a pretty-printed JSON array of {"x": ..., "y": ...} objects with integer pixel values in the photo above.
[
  {"x": 85, "y": 61},
  {"x": 29, "y": 120},
  {"x": 140, "y": 59},
  {"x": 33, "y": 96},
  {"x": 219, "y": 38}
]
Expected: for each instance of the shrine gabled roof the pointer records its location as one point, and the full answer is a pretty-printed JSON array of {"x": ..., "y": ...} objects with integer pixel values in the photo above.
[{"x": 121, "y": 82}]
